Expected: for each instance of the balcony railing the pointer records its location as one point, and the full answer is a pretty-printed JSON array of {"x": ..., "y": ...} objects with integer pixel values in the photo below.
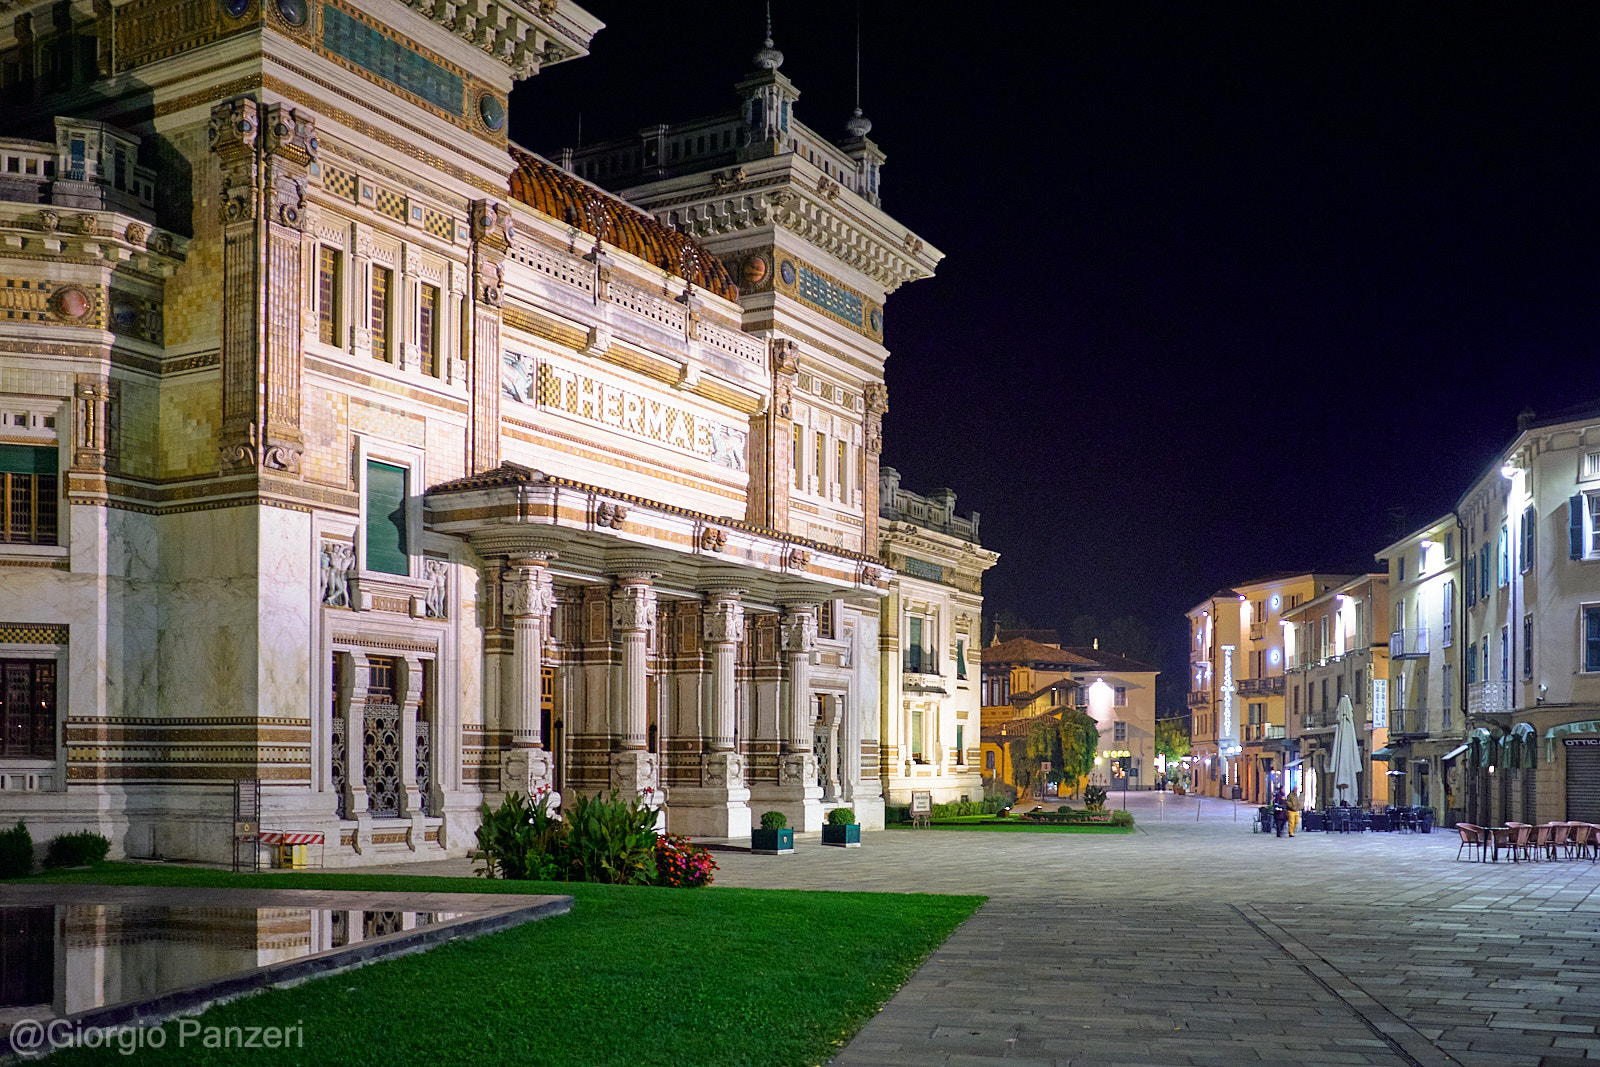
[
  {"x": 1262, "y": 731},
  {"x": 920, "y": 661},
  {"x": 1272, "y": 686},
  {"x": 1198, "y": 698},
  {"x": 1489, "y": 698},
  {"x": 1405, "y": 644}
]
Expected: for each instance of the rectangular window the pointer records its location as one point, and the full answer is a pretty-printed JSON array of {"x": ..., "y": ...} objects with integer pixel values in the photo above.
[
  {"x": 1505, "y": 653},
  {"x": 840, "y": 482},
  {"x": 28, "y": 495},
  {"x": 330, "y": 270},
  {"x": 1527, "y": 646},
  {"x": 1448, "y": 606},
  {"x": 1401, "y": 575},
  {"x": 961, "y": 658},
  {"x": 1360, "y": 695},
  {"x": 1529, "y": 518},
  {"x": 428, "y": 328},
  {"x": 1472, "y": 663},
  {"x": 1593, "y": 501},
  {"x": 820, "y": 465},
  {"x": 1591, "y": 639},
  {"x": 1119, "y": 698},
  {"x": 1119, "y": 732},
  {"x": 1483, "y": 571},
  {"x": 378, "y": 311},
  {"x": 915, "y": 653},
  {"x": 799, "y": 455},
  {"x": 961, "y": 746},
  {"x": 1338, "y": 688},
  {"x": 1324, "y": 694},
  {"x": 387, "y": 549},
  {"x": 1450, "y": 545},
  {"x": 1447, "y": 702},
  {"x": 916, "y": 736},
  {"x": 28, "y": 708},
  {"x": 826, "y": 627},
  {"x": 1505, "y": 555}
]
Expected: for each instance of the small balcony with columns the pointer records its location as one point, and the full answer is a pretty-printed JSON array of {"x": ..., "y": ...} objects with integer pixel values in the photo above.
[{"x": 680, "y": 646}]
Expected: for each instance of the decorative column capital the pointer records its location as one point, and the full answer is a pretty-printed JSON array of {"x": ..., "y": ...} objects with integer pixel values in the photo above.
[
  {"x": 800, "y": 628},
  {"x": 722, "y": 618},
  {"x": 633, "y": 604},
  {"x": 526, "y": 588}
]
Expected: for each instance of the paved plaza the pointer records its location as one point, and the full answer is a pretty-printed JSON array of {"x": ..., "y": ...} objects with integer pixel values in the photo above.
[{"x": 1198, "y": 942}]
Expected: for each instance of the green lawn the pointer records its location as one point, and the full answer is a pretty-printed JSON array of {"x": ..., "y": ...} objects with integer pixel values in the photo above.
[
  {"x": 632, "y": 975},
  {"x": 1014, "y": 824}
]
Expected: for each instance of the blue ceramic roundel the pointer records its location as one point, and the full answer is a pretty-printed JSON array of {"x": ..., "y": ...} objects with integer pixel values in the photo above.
[
  {"x": 492, "y": 111},
  {"x": 293, "y": 11}
]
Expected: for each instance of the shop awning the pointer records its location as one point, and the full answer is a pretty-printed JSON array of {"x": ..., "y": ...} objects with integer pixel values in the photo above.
[
  {"x": 1454, "y": 752},
  {"x": 1294, "y": 763},
  {"x": 1589, "y": 726},
  {"x": 1383, "y": 753},
  {"x": 1519, "y": 746}
]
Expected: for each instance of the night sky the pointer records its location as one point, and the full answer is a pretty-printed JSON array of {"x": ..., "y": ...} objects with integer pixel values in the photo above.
[{"x": 1228, "y": 288}]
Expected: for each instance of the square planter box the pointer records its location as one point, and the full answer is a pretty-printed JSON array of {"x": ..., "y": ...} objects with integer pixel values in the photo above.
[
  {"x": 846, "y": 836},
  {"x": 772, "y": 842}
]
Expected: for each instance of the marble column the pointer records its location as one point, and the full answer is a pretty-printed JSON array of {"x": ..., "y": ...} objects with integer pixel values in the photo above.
[
  {"x": 634, "y": 769},
  {"x": 797, "y": 765},
  {"x": 526, "y": 596},
  {"x": 720, "y": 807}
]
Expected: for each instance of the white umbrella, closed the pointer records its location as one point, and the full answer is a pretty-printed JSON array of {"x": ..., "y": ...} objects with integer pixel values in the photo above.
[{"x": 1345, "y": 763}]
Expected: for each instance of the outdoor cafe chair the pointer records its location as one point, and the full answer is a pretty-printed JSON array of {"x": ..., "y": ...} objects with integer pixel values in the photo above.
[
  {"x": 1380, "y": 822},
  {"x": 1582, "y": 842},
  {"x": 1542, "y": 838},
  {"x": 1562, "y": 842},
  {"x": 1502, "y": 837},
  {"x": 1519, "y": 843},
  {"x": 1471, "y": 837}
]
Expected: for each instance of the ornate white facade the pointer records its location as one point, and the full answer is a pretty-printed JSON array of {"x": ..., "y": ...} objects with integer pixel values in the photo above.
[{"x": 353, "y": 449}]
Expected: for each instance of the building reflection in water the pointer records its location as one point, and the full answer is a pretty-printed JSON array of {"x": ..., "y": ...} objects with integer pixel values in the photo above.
[{"x": 70, "y": 958}]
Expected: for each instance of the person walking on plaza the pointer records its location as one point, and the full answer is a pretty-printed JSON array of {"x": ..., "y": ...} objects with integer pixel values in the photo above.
[
  {"x": 1280, "y": 812},
  {"x": 1292, "y": 804}
]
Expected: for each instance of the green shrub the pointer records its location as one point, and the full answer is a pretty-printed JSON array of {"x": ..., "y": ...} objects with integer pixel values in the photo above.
[
  {"x": 841, "y": 817},
  {"x": 612, "y": 839},
  {"x": 774, "y": 820},
  {"x": 1122, "y": 818},
  {"x": 81, "y": 849},
  {"x": 897, "y": 813},
  {"x": 1094, "y": 797},
  {"x": 16, "y": 852},
  {"x": 997, "y": 802},
  {"x": 523, "y": 840},
  {"x": 1063, "y": 809}
]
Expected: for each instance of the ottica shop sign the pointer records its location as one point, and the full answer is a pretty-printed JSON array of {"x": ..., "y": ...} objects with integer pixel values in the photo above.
[{"x": 1581, "y": 742}]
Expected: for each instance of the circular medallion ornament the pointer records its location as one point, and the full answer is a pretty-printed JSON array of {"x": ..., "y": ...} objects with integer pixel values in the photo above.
[
  {"x": 235, "y": 8},
  {"x": 754, "y": 271},
  {"x": 124, "y": 313},
  {"x": 491, "y": 111},
  {"x": 293, "y": 11},
  {"x": 786, "y": 272},
  {"x": 72, "y": 303},
  {"x": 876, "y": 318}
]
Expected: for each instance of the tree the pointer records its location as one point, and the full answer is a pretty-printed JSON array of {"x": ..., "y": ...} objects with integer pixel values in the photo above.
[
  {"x": 1079, "y": 741},
  {"x": 1172, "y": 741}
]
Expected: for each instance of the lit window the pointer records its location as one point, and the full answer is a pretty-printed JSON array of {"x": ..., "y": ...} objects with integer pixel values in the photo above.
[
  {"x": 28, "y": 495},
  {"x": 820, "y": 466},
  {"x": 378, "y": 317},
  {"x": 28, "y": 708},
  {"x": 330, "y": 265},
  {"x": 428, "y": 328},
  {"x": 799, "y": 455}
]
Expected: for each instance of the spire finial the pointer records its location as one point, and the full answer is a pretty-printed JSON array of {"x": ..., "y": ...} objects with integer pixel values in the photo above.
[
  {"x": 769, "y": 58},
  {"x": 858, "y": 125}
]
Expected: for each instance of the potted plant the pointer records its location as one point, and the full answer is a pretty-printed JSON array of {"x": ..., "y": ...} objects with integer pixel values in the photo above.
[
  {"x": 1094, "y": 798},
  {"x": 772, "y": 839},
  {"x": 842, "y": 829}
]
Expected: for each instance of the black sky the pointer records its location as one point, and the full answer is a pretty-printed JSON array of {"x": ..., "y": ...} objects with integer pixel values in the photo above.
[{"x": 1227, "y": 285}]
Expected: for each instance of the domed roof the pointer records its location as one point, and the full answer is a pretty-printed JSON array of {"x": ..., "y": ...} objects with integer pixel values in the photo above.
[{"x": 547, "y": 188}]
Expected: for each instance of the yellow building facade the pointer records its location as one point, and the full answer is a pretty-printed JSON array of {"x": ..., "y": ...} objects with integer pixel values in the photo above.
[{"x": 1024, "y": 679}]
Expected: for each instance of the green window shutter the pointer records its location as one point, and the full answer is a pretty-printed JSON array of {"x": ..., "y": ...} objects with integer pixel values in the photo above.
[
  {"x": 23, "y": 459},
  {"x": 386, "y": 519},
  {"x": 961, "y": 658},
  {"x": 1575, "y": 526}
]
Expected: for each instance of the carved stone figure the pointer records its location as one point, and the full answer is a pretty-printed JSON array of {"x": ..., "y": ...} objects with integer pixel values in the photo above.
[
  {"x": 438, "y": 572},
  {"x": 338, "y": 560}
]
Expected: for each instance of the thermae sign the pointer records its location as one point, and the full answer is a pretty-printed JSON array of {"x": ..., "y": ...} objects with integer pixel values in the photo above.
[{"x": 580, "y": 396}]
